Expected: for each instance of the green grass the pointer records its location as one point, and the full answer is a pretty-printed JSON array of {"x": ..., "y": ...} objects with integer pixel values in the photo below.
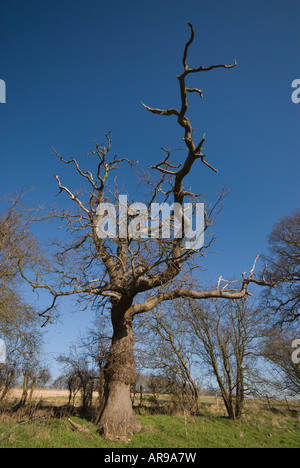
[{"x": 211, "y": 429}]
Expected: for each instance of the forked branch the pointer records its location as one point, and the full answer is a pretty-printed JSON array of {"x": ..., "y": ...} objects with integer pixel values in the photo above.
[
  {"x": 181, "y": 115},
  {"x": 181, "y": 292}
]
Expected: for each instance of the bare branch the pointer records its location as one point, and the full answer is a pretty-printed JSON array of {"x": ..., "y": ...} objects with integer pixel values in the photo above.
[
  {"x": 161, "y": 111},
  {"x": 73, "y": 197},
  {"x": 212, "y": 67},
  {"x": 153, "y": 301},
  {"x": 195, "y": 90},
  {"x": 187, "y": 46},
  {"x": 87, "y": 174}
]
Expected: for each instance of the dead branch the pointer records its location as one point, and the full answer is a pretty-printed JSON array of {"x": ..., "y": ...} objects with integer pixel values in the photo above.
[
  {"x": 181, "y": 115},
  {"x": 79, "y": 427},
  {"x": 181, "y": 292}
]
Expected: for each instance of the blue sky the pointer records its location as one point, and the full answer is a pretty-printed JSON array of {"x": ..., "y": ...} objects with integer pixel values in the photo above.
[{"x": 77, "y": 69}]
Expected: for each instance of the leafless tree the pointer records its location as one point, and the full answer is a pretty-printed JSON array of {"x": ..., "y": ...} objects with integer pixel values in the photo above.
[
  {"x": 226, "y": 337},
  {"x": 164, "y": 346},
  {"x": 73, "y": 385},
  {"x": 19, "y": 322},
  {"x": 7, "y": 379},
  {"x": 94, "y": 345},
  {"x": 20, "y": 326},
  {"x": 81, "y": 377},
  {"x": 130, "y": 275},
  {"x": 17, "y": 244},
  {"x": 28, "y": 356},
  {"x": 284, "y": 268},
  {"x": 278, "y": 350}
]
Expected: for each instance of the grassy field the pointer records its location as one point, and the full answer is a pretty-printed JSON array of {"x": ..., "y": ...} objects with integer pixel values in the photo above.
[{"x": 260, "y": 427}]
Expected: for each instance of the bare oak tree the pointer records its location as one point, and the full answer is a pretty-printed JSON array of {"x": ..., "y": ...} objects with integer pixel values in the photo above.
[
  {"x": 129, "y": 275},
  {"x": 81, "y": 376}
]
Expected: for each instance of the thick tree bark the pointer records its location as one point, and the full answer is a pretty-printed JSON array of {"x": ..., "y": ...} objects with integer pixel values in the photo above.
[{"x": 117, "y": 416}]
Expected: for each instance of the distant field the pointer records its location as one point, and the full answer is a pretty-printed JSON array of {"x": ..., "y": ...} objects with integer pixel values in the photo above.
[
  {"x": 41, "y": 393},
  {"x": 60, "y": 397}
]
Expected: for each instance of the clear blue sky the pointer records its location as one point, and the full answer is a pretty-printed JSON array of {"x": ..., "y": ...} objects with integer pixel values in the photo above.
[{"x": 75, "y": 69}]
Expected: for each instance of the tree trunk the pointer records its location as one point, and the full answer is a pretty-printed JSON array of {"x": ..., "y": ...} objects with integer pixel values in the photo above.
[
  {"x": 228, "y": 404},
  {"x": 31, "y": 390},
  {"x": 24, "y": 395},
  {"x": 240, "y": 396},
  {"x": 117, "y": 416},
  {"x": 195, "y": 407}
]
